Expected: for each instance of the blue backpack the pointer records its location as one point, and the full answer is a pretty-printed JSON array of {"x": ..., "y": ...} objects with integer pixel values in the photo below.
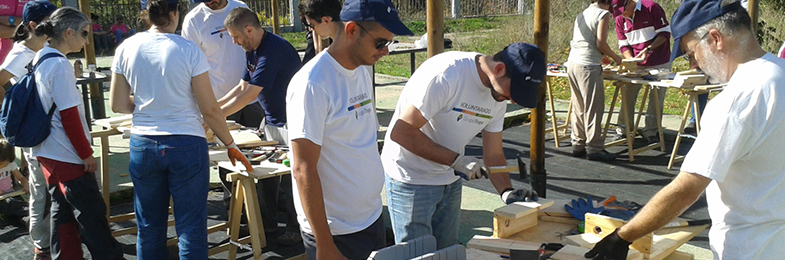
[{"x": 23, "y": 120}]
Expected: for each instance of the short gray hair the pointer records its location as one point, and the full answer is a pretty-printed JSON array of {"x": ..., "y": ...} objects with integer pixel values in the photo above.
[{"x": 728, "y": 24}]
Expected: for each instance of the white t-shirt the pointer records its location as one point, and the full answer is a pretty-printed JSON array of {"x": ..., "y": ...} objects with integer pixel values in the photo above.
[
  {"x": 448, "y": 92},
  {"x": 17, "y": 60},
  {"x": 332, "y": 107},
  {"x": 205, "y": 27},
  {"x": 740, "y": 147},
  {"x": 57, "y": 85},
  {"x": 159, "y": 68}
]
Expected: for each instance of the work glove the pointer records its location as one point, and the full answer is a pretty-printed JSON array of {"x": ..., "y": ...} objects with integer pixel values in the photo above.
[
  {"x": 509, "y": 196},
  {"x": 581, "y": 206},
  {"x": 612, "y": 247},
  {"x": 235, "y": 154},
  {"x": 612, "y": 202},
  {"x": 470, "y": 166}
]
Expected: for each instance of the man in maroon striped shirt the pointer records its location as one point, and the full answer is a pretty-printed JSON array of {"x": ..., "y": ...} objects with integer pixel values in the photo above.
[{"x": 643, "y": 32}]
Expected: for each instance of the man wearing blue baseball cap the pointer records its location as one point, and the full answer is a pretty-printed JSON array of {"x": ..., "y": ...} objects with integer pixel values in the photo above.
[
  {"x": 449, "y": 100},
  {"x": 737, "y": 157},
  {"x": 332, "y": 127}
]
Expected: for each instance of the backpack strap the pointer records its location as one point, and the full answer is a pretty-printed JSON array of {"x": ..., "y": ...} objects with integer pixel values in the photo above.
[{"x": 41, "y": 60}]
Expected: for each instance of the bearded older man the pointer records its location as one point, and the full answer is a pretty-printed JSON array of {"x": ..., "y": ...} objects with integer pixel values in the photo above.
[{"x": 737, "y": 157}]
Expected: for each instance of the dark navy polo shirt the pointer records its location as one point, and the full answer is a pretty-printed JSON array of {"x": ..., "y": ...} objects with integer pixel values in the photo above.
[{"x": 271, "y": 66}]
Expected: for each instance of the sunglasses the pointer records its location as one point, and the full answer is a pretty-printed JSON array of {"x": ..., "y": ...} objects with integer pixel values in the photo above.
[
  {"x": 85, "y": 34},
  {"x": 380, "y": 42},
  {"x": 305, "y": 23}
]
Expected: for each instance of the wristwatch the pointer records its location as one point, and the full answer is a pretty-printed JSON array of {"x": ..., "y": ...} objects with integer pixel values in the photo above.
[{"x": 11, "y": 20}]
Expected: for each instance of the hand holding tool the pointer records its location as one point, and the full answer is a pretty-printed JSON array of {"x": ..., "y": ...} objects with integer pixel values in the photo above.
[
  {"x": 470, "y": 166},
  {"x": 235, "y": 154},
  {"x": 581, "y": 206},
  {"x": 612, "y": 247},
  {"x": 511, "y": 195}
]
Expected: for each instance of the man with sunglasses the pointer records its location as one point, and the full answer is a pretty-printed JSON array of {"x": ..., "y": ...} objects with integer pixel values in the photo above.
[
  {"x": 449, "y": 100},
  {"x": 643, "y": 32},
  {"x": 333, "y": 131},
  {"x": 737, "y": 158},
  {"x": 271, "y": 61}
]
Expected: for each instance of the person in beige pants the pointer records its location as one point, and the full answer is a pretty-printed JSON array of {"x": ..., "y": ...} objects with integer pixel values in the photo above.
[{"x": 584, "y": 70}]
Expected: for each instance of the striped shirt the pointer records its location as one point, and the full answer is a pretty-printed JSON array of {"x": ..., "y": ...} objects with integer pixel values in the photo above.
[{"x": 648, "y": 22}]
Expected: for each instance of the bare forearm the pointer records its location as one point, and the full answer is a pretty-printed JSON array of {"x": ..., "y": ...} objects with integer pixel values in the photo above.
[
  {"x": 236, "y": 104},
  {"x": 217, "y": 122},
  {"x": 658, "y": 42},
  {"x": 627, "y": 54},
  {"x": 418, "y": 143},
  {"x": 606, "y": 50},
  {"x": 309, "y": 186},
  {"x": 665, "y": 206}
]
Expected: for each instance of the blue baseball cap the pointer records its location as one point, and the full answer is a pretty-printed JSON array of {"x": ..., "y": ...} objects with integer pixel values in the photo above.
[
  {"x": 525, "y": 64},
  {"x": 37, "y": 10},
  {"x": 692, "y": 14},
  {"x": 381, "y": 11}
]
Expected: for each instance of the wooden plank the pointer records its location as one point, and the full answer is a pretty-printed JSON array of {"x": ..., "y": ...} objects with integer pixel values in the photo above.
[
  {"x": 476, "y": 254},
  {"x": 500, "y": 245},
  {"x": 557, "y": 210},
  {"x": 504, "y": 227},
  {"x": 11, "y": 194},
  {"x": 667, "y": 240},
  {"x": 603, "y": 226},
  {"x": 299, "y": 257},
  {"x": 570, "y": 252},
  {"x": 570, "y": 220},
  {"x": 521, "y": 208},
  {"x": 514, "y": 211}
]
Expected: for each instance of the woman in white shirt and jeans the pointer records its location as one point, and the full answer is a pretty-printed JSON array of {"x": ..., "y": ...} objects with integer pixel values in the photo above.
[
  {"x": 167, "y": 75},
  {"x": 66, "y": 156}
]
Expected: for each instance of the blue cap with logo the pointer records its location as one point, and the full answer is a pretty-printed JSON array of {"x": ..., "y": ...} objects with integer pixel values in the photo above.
[
  {"x": 525, "y": 64},
  {"x": 37, "y": 10},
  {"x": 692, "y": 14},
  {"x": 381, "y": 11}
]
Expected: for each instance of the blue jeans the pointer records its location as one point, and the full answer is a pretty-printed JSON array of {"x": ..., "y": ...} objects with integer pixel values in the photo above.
[
  {"x": 418, "y": 210},
  {"x": 176, "y": 166}
]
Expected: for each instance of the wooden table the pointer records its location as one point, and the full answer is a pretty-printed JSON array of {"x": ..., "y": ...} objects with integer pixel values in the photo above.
[
  {"x": 96, "y": 96},
  {"x": 244, "y": 193},
  {"x": 693, "y": 102}
]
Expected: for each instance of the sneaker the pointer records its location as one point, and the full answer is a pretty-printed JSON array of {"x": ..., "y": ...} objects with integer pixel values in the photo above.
[
  {"x": 42, "y": 254},
  {"x": 601, "y": 156},
  {"x": 290, "y": 239},
  {"x": 578, "y": 152}
]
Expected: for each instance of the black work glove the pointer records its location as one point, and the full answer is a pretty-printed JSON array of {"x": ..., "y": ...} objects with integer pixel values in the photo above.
[{"x": 612, "y": 247}]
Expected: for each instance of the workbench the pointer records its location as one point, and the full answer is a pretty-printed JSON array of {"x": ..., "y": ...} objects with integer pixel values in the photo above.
[
  {"x": 244, "y": 194},
  {"x": 523, "y": 226},
  {"x": 621, "y": 82}
]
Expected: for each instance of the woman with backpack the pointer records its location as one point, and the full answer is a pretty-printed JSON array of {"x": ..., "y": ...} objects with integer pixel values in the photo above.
[
  {"x": 65, "y": 155},
  {"x": 26, "y": 44},
  {"x": 167, "y": 75}
]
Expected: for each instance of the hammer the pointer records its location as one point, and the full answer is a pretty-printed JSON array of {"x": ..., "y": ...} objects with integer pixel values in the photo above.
[{"x": 497, "y": 169}]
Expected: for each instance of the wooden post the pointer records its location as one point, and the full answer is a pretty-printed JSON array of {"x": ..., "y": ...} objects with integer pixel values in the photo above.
[
  {"x": 752, "y": 8},
  {"x": 435, "y": 21},
  {"x": 537, "y": 160},
  {"x": 89, "y": 53},
  {"x": 276, "y": 21}
]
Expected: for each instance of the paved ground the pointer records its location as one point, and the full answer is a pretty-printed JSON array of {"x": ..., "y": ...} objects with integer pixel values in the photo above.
[{"x": 568, "y": 178}]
